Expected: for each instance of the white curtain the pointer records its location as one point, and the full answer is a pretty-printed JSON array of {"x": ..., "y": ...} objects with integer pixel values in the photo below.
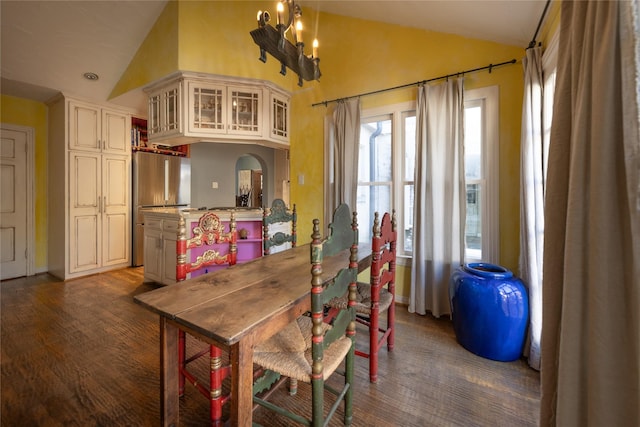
[
  {"x": 343, "y": 141},
  {"x": 590, "y": 371},
  {"x": 532, "y": 177},
  {"x": 440, "y": 204}
]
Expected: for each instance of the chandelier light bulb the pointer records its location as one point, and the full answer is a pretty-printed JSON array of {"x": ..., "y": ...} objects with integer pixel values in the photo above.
[
  {"x": 299, "y": 31},
  {"x": 280, "y": 11}
]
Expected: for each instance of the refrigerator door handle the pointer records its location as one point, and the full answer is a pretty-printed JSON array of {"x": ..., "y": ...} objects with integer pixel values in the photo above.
[{"x": 166, "y": 181}]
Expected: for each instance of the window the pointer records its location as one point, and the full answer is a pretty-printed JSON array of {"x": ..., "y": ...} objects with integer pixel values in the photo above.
[
  {"x": 385, "y": 170},
  {"x": 386, "y": 166},
  {"x": 481, "y": 165}
]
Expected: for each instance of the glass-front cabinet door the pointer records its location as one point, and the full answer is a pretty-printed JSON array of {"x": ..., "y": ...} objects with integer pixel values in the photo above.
[
  {"x": 172, "y": 110},
  {"x": 279, "y": 117},
  {"x": 164, "y": 108},
  {"x": 207, "y": 105},
  {"x": 153, "y": 122},
  {"x": 244, "y": 109}
]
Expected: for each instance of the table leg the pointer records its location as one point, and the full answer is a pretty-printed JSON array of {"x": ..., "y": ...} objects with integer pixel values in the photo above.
[
  {"x": 241, "y": 355},
  {"x": 169, "y": 372}
]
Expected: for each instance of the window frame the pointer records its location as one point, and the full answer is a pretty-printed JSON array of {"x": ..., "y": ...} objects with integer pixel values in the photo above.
[
  {"x": 489, "y": 97},
  {"x": 396, "y": 113}
]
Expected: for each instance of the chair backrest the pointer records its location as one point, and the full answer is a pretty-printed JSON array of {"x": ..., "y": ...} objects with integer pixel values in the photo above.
[
  {"x": 209, "y": 245},
  {"x": 279, "y": 227},
  {"x": 383, "y": 251},
  {"x": 343, "y": 237},
  {"x": 339, "y": 237}
]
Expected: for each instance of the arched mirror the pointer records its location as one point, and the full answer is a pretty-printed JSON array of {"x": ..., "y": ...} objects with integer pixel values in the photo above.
[{"x": 249, "y": 182}]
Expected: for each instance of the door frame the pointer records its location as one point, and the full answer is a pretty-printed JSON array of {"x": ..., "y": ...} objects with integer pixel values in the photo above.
[{"x": 30, "y": 159}]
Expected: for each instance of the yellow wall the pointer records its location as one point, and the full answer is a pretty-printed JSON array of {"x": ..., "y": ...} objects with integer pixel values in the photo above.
[
  {"x": 33, "y": 114},
  {"x": 357, "y": 56},
  {"x": 156, "y": 57},
  {"x": 202, "y": 36}
]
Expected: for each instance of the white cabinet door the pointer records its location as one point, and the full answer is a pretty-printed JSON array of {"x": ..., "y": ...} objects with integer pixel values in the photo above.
[
  {"x": 245, "y": 111},
  {"x": 116, "y": 132},
  {"x": 99, "y": 220},
  {"x": 84, "y": 211},
  {"x": 170, "y": 250},
  {"x": 170, "y": 258},
  {"x": 165, "y": 106},
  {"x": 207, "y": 108},
  {"x": 153, "y": 254},
  {"x": 84, "y": 127},
  {"x": 116, "y": 224},
  {"x": 279, "y": 117},
  {"x": 92, "y": 128}
]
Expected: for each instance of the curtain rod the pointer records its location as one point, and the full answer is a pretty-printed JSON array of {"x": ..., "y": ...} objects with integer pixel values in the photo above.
[
  {"x": 486, "y": 67},
  {"x": 532, "y": 43}
]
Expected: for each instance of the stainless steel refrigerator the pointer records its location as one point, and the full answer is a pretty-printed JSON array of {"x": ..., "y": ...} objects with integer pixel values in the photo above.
[{"x": 158, "y": 181}]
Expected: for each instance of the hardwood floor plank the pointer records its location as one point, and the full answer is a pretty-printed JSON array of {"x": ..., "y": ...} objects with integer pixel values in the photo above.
[{"x": 81, "y": 353}]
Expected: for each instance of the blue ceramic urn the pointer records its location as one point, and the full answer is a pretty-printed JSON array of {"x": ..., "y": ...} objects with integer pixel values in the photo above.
[{"x": 490, "y": 310}]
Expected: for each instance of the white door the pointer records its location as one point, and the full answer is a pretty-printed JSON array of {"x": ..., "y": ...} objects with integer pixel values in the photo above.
[{"x": 13, "y": 204}]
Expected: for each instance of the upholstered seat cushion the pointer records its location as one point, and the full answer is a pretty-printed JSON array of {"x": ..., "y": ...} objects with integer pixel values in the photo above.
[
  {"x": 363, "y": 299},
  {"x": 289, "y": 351}
]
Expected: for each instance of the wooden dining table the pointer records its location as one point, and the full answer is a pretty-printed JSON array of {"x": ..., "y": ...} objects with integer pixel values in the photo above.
[{"x": 235, "y": 309}]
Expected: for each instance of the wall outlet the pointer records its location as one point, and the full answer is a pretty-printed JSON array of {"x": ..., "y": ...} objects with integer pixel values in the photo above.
[
  {"x": 301, "y": 179},
  {"x": 214, "y": 184}
]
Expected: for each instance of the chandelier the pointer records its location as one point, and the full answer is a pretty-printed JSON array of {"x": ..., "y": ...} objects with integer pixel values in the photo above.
[{"x": 274, "y": 41}]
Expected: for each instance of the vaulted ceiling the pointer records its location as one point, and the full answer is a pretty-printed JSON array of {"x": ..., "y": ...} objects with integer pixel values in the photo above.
[{"x": 47, "y": 46}]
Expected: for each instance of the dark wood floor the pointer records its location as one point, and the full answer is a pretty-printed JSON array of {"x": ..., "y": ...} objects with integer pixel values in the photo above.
[{"x": 82, "y": 353}]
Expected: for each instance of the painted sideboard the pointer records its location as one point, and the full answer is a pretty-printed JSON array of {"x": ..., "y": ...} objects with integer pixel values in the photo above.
[{"x": 163, "y": 230}]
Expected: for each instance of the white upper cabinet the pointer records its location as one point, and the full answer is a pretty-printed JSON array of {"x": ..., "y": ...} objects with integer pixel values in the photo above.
[
  {"x": 186, "y": 108},
  {"x": 101, "y": 130}
]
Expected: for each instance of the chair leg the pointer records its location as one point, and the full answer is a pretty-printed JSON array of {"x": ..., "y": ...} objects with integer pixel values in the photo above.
[
  {"x": 391, "y": 322},
  {"x": 374, "y": 321},
  {"x": 293, "y": 386},
  {"x": 217, "y": 374},
  {"x": 348, "y": 398},
  {"x": 317, "y": 404}
]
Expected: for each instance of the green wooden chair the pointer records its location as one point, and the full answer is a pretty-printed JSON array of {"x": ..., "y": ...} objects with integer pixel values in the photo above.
[
  {"x": 310, "y": 350},
  {"x": 279, "y": 227}
]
